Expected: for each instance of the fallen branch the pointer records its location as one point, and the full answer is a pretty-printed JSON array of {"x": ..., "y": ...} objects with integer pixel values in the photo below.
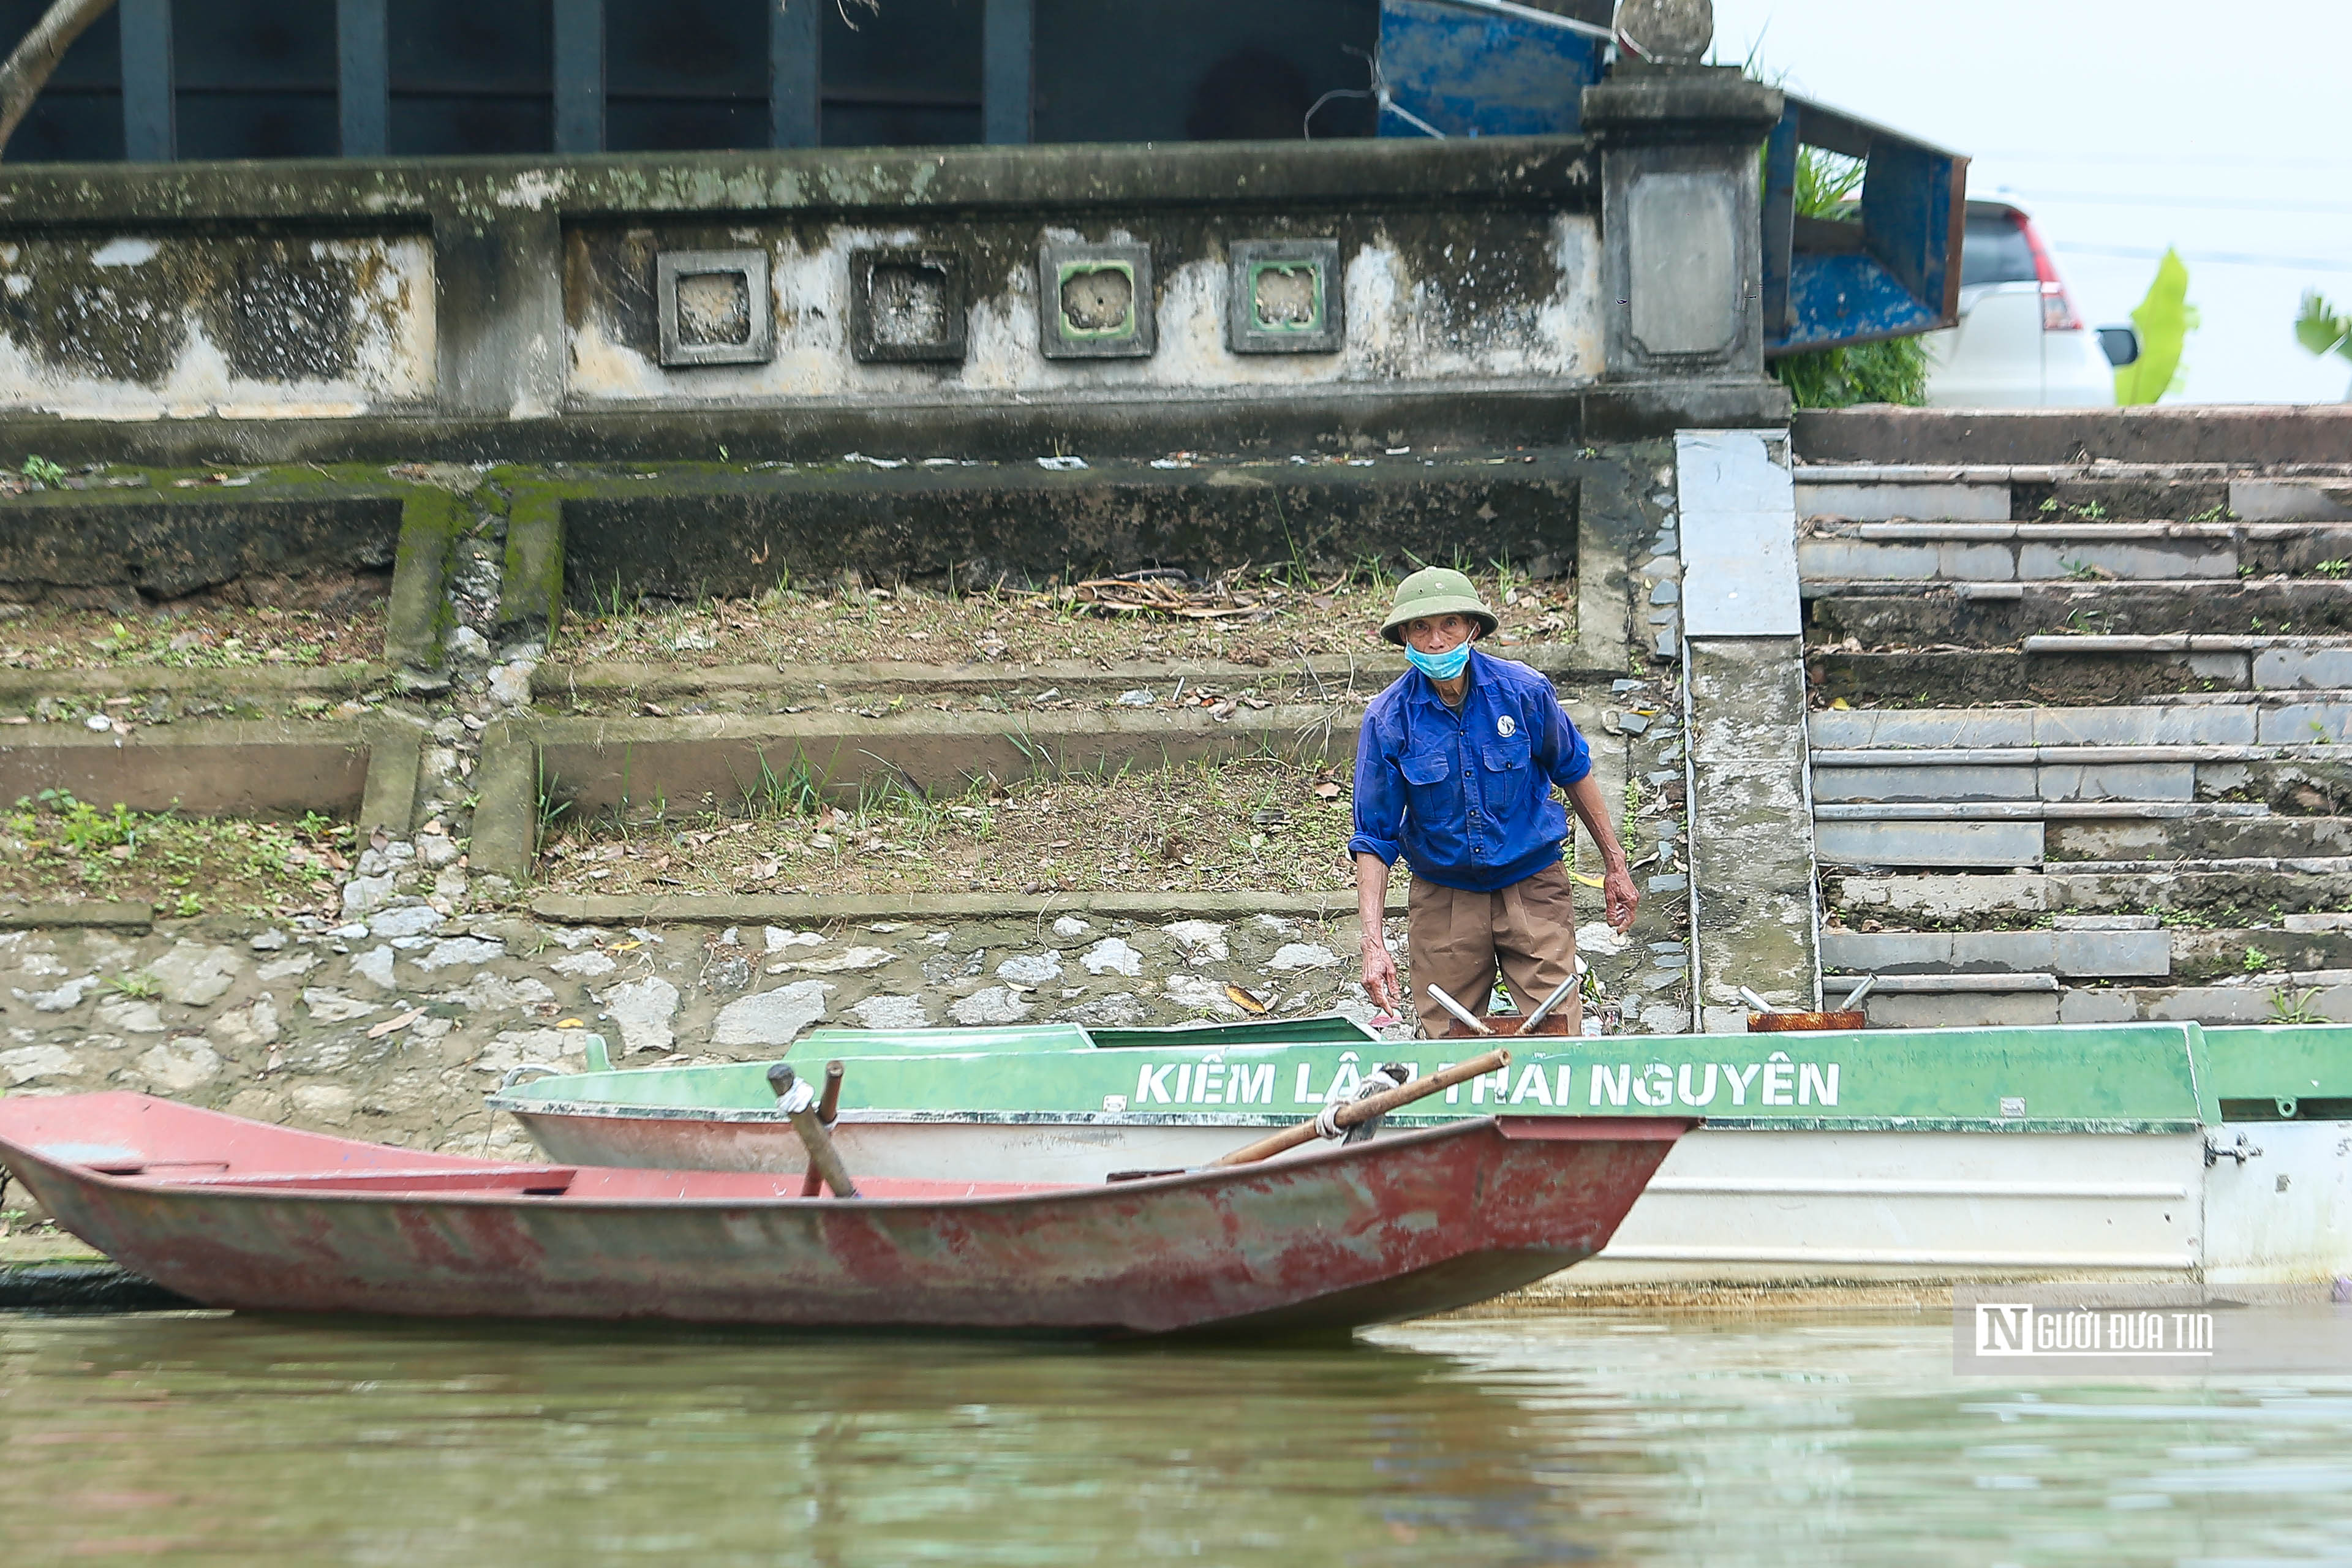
[
  {"x": 33, "y": 60},
  {"x": 1125, "y": 595}
]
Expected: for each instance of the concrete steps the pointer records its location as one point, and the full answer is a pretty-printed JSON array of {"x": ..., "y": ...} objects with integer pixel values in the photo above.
[
  {"x": 2162, "y": 787},
  {"x": 2084, "y": 948},
  {"x": 2231, "y": 888},
  {"x": 1888, "y": 491},
  {"x": 2099, "y": 669},
  {"x": 1999, "y": 836},
  {"x": 2306, "y": 779},
  {"x": 2324, "y": 996},
  {"x": 2188, "y": 838},
  {"x": 2087, "y": 954},
  {"x": 2316, "y": 718},
  {"x": 1894, "y": 616},
  {"x": 1879, "y": 553},
  {"x": 2270, "y": 663},
  {"x": 2145, "y": 753}
]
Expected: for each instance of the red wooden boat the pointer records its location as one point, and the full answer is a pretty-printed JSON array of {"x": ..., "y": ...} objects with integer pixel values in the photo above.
[{"x": 232, "y": 1213}]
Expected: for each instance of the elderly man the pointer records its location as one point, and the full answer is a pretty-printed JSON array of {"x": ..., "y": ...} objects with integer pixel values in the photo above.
[{"x": 1454, "y": 770}]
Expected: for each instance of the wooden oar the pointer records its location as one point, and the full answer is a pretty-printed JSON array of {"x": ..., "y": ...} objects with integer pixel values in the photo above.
[
  {"x": 1356, "y": 1111},
  {"x": 798, "y": 1102},
  {"x": 828, "y": 1111}
]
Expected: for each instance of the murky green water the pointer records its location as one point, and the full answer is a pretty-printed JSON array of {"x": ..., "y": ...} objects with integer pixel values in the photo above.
[{"x": 213, "y": 1438}]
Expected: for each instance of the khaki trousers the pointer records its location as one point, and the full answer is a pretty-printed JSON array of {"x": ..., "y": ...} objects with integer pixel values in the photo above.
[{"x": 1458, "y": 940}]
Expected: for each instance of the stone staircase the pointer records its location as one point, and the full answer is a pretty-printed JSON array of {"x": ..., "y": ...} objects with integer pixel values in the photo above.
[{"x": 2081, "y": 739}]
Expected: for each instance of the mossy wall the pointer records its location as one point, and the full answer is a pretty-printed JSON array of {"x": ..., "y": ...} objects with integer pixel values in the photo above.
[{"x": 504, "y": 289}]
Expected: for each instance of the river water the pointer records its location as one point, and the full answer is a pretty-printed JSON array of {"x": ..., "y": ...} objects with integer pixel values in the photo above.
[{"x": 207, "y": 1437}]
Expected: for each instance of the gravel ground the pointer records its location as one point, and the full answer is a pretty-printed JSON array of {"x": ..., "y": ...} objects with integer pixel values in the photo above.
[{"x": 392, "y": 1025}]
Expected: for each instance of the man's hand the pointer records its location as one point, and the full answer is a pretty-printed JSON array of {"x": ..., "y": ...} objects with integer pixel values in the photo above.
[
  {"x": 1617, "y": 889},
  {"x": 1381, "y": 983},
  {"x": 1623, "y": 898}
]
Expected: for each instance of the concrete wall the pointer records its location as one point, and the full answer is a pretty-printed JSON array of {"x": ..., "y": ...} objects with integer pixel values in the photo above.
[
  {"x": 1476, "y": 296},
  {"x": 138, "y": 323},
  {"x": 512, "y": 287},
  {"x": 516, "y": 307}
]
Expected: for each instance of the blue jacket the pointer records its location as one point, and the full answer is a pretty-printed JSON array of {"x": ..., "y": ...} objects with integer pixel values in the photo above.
[{"x": 1466, "y": 798}]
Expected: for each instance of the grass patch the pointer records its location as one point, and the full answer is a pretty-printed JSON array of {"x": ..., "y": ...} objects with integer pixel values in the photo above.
[
  {"x": 1266, "y": 615},
  {"x": 1893, "y": 370},
  {"x": 1254, "y": 824},
  {"x": 61, "y": 848},
  {"x": 1829, "y": 187}
]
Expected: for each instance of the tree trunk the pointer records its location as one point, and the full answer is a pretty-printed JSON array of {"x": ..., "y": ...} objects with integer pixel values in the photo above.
[{"x": 28, "y": 65}]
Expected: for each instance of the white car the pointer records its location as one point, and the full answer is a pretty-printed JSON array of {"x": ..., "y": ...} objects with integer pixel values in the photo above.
[{"x": 2021, "y": 343}]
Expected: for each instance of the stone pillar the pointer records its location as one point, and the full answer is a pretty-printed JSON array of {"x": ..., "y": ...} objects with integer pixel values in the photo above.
[
  {"x": 1682, "y": 260},
  {"x": 1754, "y": 919}
]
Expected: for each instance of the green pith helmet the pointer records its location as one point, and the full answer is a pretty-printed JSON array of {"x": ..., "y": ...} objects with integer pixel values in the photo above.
[{"x": 1435, "y": 591}]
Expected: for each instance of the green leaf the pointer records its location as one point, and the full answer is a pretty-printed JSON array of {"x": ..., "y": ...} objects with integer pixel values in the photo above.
[
  {"x": 2320, "y": 329},
  {"x": 2165, "y": 319},
  {"x": 1893, "y": 370}
]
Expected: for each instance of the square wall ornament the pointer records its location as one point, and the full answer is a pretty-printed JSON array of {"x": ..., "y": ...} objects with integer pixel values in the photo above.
[
  {"x": 715, "y": 307},
  {"x": 1284, "y": 297},
  {"x": 906, "y": 306},
  {"x": 1095, "y": 302}
]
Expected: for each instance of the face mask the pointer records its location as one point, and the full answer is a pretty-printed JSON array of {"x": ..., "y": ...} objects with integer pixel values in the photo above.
[{"x": 1439, "y": 665}]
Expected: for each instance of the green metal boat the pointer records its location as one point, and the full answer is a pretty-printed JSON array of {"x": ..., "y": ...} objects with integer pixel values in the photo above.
[{"x": 2139, "y": 1149}]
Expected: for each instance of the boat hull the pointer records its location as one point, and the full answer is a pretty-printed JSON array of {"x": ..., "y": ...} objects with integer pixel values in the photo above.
[
  {"x": 1750, "y": 1204},
  {"x": 1406, "y": 1226},
  {"x": 2137, "y": 1151},
  {"x": 1034, "y": 1148}
]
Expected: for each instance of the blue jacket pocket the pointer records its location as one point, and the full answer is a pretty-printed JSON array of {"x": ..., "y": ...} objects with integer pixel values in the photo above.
[
  {"x": 1509, "y": 778},
  {"x": 1425, "y": 767}
]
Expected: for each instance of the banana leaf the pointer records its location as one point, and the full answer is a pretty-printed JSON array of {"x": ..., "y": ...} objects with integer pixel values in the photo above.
[
  {"x": 2165, "y": 319},
  {"x": 2320, "y": 329}
]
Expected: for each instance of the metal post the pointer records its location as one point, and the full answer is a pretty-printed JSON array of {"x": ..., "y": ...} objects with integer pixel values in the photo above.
[
  {"x": 363, "y": 77},
  {"x": 1779, "y": 220},
  {"x": 1007, "y": 50},
  {"x": 150, "y": 112},
  {"x": 795, "y": 73},
  {"x": 580, "y": 76}
]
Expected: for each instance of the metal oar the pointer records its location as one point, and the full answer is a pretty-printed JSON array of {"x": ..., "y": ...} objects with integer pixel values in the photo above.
[
  {"x": 1756, "y": 1002},
  {"x": 1554, "y": 1000},
  {"x": 1854, "y": 997},
  {"x": 1342, "y": 1117},
  {"x": 798, "y": 1102},
  {"x": 828, "y": 1111},
  {"x": 1477, "y": 1024}
]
